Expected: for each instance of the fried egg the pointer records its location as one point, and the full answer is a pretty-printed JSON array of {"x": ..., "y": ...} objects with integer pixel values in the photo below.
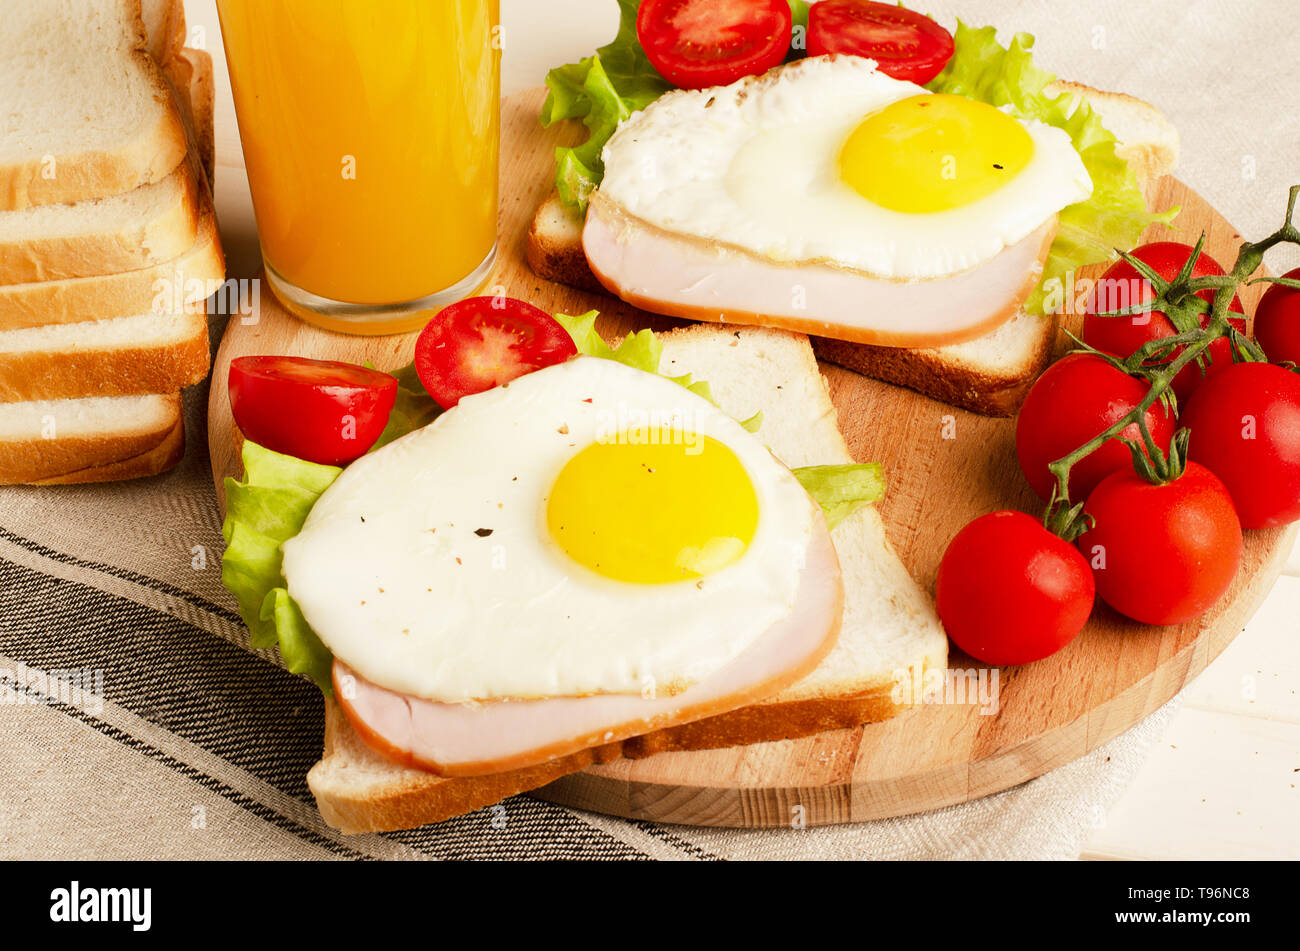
[
  {"x": 828, "y": 161},
  {"x": 588, "y": 528}
]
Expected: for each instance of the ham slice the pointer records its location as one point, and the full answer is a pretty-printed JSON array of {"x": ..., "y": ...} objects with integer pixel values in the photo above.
[
  {"x": 684, "y": 277},
  {"x": 474, "y": 739}
]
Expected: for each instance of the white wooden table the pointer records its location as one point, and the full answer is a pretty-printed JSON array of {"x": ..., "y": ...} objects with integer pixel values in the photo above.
[{"x": 1223, "y": 782}]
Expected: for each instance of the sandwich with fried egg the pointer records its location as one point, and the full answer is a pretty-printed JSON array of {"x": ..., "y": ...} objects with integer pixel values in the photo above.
[
  {"x": 594, "y": 560},
  {"x": 920, "y": 229}
]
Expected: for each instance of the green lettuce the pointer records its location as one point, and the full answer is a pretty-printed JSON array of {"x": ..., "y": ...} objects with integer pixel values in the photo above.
[
  {"x": 1090, "y": 231},
  {"x": 601, "y": 90},
  {"x": 841, "y": 490},
  {"x": 413, "y": 409},
  {"x": 263, "y": 511}
]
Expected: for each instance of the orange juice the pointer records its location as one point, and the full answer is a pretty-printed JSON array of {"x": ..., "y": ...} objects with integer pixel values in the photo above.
[{"x": 370, "y": 132}]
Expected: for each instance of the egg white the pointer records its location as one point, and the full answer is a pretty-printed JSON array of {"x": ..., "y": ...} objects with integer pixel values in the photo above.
[
  {"x": 428, "y": 567},
  {"x": 755, "y": 165}
]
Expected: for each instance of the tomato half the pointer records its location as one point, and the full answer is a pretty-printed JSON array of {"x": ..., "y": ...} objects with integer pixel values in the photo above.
[
  {"x": 1162, "y": 554},
  {"x": 482, "y": 342},
  {"x": 699, "y": 43},
  {"x": 1122, "y": 287},
  {"x": 1277, "y": 322},
  {"x": 905, "y": 44},
  {"x": 1011, "y": 592},
  {"x": 1245, "y": 423},
  {"x": 319, "y": 410},
  {"x": 1078, "y": 397}
]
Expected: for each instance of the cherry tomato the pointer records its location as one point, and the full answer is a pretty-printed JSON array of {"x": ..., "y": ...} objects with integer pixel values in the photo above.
[
  {"x": 319, "y": 410},
  {"x": 1162, "y": 554},
  {"x": 1246, "y": 430},
  {"x": 482, "y": 342},
  {"x": 1122, "y": 287},
  {"x": 1011, "y": 592},
  {"x": 904, "y": 44},
  {"x": 699, "y": 43},
  {"x": 1078, "y": 397},
  {"x": 1277, "y": 322}
]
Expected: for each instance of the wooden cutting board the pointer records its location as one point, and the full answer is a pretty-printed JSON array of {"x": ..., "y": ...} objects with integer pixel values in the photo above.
[{"x": 1049, "y": 713}]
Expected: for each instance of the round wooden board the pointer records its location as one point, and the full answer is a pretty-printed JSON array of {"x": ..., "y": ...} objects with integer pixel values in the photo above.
[{"x": 1049, "y": 713}]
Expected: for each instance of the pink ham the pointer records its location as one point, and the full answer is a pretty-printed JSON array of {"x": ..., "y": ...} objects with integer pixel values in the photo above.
[
  {"x": 669, "y": 274},
  {"x": 453, "y": 739}
]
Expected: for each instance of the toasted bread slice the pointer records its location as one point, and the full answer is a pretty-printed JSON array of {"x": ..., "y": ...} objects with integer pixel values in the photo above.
[
  {"x": 146, "y": 353},
  {"x": 989, "y": 374},
  {"x": 148, "y": 225},
  {"x": 89, "y": 111},
  {"x": 889, "y": 628},
  {"x": 90, "y": 440},
  {"x": 182, "y": 283}
]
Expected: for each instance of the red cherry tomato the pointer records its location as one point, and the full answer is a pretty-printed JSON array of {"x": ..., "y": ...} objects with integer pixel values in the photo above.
[
  {"x": 482, "y": 342},
  {"x": 1277, "y": 322},
  {"x": 699, "y": 43},
  {"x": 1122, "y": 287},
  {"x": 1080, "y": 396},
  {"x": 1246, "y": 430},
  {"x": 1011, "y": 592},
  {"x": 319, "y": 410},
  {"x": 904, "y": 44},
  {"x": 1162, "y": 554}
]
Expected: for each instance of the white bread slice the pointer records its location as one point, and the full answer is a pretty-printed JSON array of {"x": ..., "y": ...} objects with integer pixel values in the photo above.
[
  {"x": 990, "y": 374},
  {"x": 147, "y": 353},
  {"x": 191, "y": 73},
  {"x": 889, "y": 625},
  {"x": 87, "y": 111},
  {"x": 191, "y": 277},
  {"x": 90, "y": 440},
  {"x": 148, "y": 225},
  {"x": 164, "y": 28}
]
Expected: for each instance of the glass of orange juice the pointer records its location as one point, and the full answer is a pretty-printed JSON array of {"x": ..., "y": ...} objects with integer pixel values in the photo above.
[{"x": 371, "y": 133}]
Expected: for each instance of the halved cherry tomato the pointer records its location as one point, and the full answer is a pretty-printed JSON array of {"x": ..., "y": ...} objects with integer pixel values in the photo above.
[
  {"x": 1245, "y": 423},
  {"x": 905, "y": 44},
  {"x": 699, "y": 43},
  {"x": 1122, "y": 287},
  {"x": 1011, "y": 592},
  {"x": 1162, "y": 554},
  {"x": 319, "y": 410},
  {"x": 482, "y": 342},
  {"x": 1277, "y": 322},
  {"x": 1079, "y": 397}
]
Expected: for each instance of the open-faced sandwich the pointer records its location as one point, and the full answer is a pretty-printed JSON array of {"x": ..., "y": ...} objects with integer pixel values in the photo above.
[
  {"x": 577, "y": 552},
  {"x": 849, "y": 169}
]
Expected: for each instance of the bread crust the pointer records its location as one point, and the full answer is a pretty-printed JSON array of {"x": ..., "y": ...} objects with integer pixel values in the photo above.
[
  {"x": 118, "y": 371},
  {"x": 40, "y": 303},
  {"x": 90, "y": 253},
  {"x": 147, "y": 158},
  {"x": 64, "y": 460},
  {"x": 934, "y": 374}
]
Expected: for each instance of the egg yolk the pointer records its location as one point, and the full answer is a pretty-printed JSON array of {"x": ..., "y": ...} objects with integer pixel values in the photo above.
[
  {"x": 653, "y": 505},
  {"x": 934, "y": 153}
]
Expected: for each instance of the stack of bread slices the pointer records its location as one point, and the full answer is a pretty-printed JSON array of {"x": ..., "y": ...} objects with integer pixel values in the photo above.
[{"x": 108, "y": 239}]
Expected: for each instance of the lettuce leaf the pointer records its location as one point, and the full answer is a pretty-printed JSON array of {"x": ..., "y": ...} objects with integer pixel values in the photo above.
[
  {"x": 413, "y": 409},
  {"x": 641, "y": 351},
  {"x": 1090, "y": 231},
  {"x": 264, "y": 510},
  {"x": 601, "y": 90},
  {"x": 841, "y": 490}
]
